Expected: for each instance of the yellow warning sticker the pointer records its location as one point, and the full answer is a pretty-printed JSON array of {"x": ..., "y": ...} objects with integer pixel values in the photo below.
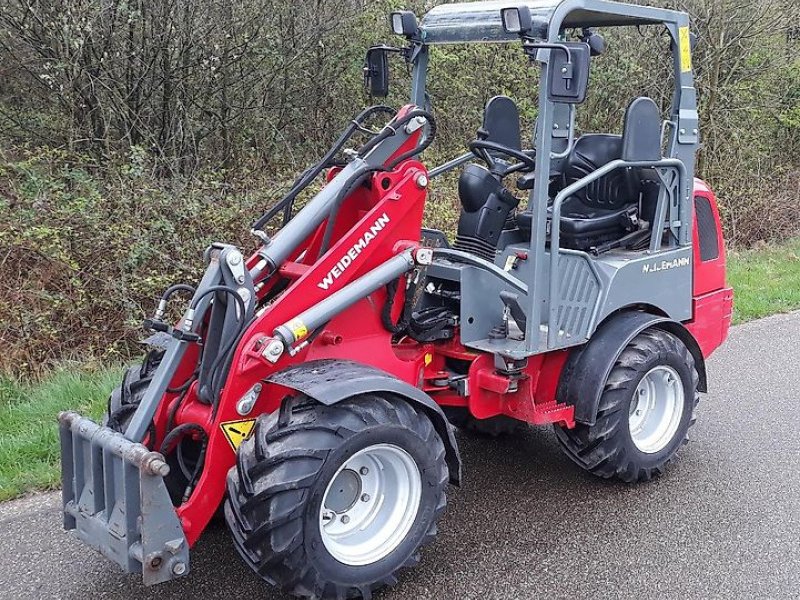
[
  {"x": 428, "y": 358},
  {"x": 686, "y": 49},
  {"x": 298, "y": 329},
  {"x": 237, "y": 431}
]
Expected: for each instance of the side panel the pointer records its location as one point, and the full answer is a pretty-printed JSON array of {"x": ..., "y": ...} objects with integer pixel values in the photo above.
[
  {"x": 712, "y": 305},
  {"x": 662, "y": 280},
  {"x": 709, "y": 253},
  {"x": 712, "y": 320}
]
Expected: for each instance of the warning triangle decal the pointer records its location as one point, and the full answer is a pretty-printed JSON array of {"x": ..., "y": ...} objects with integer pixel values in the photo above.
[{"x": 237, "y": 431}]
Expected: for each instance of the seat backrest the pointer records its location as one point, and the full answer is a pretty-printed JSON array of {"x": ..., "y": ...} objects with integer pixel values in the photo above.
[
  {"x": 640, "y": 141},
  {"x": 501, "y": 122},
  {"x": 590, "y": 152}
]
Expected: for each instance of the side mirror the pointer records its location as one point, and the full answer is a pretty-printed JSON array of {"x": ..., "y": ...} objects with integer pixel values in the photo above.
[
  {"x": 568, "y": 80},
  {"x": 376, "y": 72}
]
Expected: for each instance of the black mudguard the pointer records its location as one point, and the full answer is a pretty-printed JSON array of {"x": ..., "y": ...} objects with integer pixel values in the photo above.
[
  {"x": 589, "y": 366},
  {"x": 329, "y": 381}
]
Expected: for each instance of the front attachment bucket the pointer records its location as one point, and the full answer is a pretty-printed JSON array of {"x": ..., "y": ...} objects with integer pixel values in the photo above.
[{"x": 116, "y": 499}]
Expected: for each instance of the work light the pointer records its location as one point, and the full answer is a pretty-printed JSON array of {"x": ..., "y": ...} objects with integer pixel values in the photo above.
[
  {"x": 404, "y": 22},
  {"x": 516, "y": 19}
]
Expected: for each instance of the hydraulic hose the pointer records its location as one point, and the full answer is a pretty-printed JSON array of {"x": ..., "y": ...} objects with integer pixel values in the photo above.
[
  {"x": 388, "y": 131},
  {"x": 223, "y": 353},
  {"x": 351, "y": 184},
  {"x": 312, "y": 172}
]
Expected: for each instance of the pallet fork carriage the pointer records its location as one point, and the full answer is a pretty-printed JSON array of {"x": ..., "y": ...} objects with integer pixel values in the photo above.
[{"x": 311, "y": 389}]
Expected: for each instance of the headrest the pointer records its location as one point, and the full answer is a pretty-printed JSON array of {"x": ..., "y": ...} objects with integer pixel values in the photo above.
[
  {"x": 641, "y": 139},
  {"x": 501, "y": 122}
]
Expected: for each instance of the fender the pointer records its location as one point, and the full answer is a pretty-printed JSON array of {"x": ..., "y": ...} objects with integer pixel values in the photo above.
[
  {"x": 593, "y": 362},
  {"x": 329, "y": 381}
]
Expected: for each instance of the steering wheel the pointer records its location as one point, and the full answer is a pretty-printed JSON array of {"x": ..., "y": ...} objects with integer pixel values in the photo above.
[{"x": 481, "y": 149}]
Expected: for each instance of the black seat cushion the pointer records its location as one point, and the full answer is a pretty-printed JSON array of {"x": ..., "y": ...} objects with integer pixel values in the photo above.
[
  {"x": 583, "y": 227},
  {"x": 584, "y": 220},
  {"x": 599, "y": 212},
  {"x": 592, "y": 151}
]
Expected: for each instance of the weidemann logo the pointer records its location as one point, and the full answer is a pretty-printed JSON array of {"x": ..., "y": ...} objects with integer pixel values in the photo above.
[
  {"x": 353, "y": 252},
  {"x": 665, "y": 265}
]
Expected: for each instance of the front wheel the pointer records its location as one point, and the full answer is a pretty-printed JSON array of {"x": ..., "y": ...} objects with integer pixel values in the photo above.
[
  {"x": 645, "y": 411},
  {"x": 332, "y": 501}
]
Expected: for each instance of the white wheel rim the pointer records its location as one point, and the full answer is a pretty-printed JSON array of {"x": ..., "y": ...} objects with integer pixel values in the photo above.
[
  {"x": 656, "y": 409},
  {"x": 370, "y": 504}
]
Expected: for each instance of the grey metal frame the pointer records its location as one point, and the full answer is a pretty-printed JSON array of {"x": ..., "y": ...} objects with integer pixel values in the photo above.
[{"x": 676, "y": 170}]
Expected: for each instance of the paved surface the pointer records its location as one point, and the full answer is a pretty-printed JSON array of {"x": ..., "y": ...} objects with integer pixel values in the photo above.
[{"x": 723, "y": 523}]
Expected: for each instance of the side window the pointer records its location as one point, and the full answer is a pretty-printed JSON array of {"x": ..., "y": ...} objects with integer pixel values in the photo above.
[{"x": 706, "y": 229}]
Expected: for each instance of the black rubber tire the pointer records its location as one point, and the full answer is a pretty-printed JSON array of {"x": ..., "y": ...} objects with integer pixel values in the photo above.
[
  {"x": 135, "y": 382},
  {"x": 493, "y": 427},
  {"x": 281, "y": 474},
  {"x": 606, "y": 449}
]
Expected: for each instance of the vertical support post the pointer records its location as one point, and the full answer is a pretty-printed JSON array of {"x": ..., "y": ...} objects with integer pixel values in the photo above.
[
  {"x": 684, "y": 113},
  {"x": 418, "y": 77},
  {"x": 537, "y": 201},
  {"x": 67, "y": 473}
]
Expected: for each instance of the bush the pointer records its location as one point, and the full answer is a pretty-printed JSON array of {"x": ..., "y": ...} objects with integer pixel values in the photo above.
[{"x": 133, "y": 134}]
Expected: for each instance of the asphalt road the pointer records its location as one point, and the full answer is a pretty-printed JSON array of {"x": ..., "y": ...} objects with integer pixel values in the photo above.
[{"x": 723, "y": 523}]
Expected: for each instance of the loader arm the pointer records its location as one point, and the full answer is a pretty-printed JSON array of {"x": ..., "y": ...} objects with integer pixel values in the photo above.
[{"x": 365, "y": 220}]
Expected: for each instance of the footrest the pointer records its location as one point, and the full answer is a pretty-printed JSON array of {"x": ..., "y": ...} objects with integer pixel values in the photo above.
[{"x": 115, "y": 497}]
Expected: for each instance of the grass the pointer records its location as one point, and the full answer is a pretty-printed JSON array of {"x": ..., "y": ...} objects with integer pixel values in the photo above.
[
  {"x": 29, "y": 448},
  {"x": 766, "y": 280}
]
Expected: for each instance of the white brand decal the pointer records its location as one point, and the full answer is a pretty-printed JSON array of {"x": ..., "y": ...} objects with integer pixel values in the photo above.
[
  {"x": 353, "y": 252},
  {"x": 665, "y": 265}
]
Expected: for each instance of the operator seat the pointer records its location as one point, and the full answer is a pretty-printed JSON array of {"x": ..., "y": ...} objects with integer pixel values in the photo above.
[{"x": 609, "y": 208}]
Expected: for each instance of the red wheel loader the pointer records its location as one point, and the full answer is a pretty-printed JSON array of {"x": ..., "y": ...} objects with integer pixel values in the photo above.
[{"x": 309, "y": 391}]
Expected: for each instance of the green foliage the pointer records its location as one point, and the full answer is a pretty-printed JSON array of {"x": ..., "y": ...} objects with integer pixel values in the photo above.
[
  {"x": 84, "y": 253},
  {"x": 118, "y": 168}
]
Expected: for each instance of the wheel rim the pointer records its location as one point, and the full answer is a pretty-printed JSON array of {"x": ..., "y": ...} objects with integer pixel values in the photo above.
[
  {"x": 656, "y": 409},
  {"x": 370, "y": 504}
]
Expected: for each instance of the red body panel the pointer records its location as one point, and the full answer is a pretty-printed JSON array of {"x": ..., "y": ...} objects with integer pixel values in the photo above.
[{"x": 713, "y": 299}]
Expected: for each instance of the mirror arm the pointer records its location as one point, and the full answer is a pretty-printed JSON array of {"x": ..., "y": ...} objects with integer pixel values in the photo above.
[{"x": 531, "y": 46}]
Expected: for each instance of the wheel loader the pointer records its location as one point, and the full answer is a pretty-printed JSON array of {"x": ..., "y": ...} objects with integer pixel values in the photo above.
[{"x": 309, "y": 391}]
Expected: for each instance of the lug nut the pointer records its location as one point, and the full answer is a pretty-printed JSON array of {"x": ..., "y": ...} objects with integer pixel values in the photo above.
[
  {"x": 345, "y": 519},
  {"x": 365, "y": 497},
  {"x": 363, "y": 470}
]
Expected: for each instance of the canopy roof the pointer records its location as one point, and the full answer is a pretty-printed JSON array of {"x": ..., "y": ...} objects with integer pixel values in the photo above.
[{"x": 465, "y": 22}]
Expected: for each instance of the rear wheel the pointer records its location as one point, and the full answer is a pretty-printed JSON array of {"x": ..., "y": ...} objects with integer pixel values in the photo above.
[
  {"x": 332, "y": 501},
  {"x": 645, "y": 411}
]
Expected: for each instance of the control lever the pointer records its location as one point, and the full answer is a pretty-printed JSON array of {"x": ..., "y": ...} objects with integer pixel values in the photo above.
[{"x": 511, "y": 301}]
